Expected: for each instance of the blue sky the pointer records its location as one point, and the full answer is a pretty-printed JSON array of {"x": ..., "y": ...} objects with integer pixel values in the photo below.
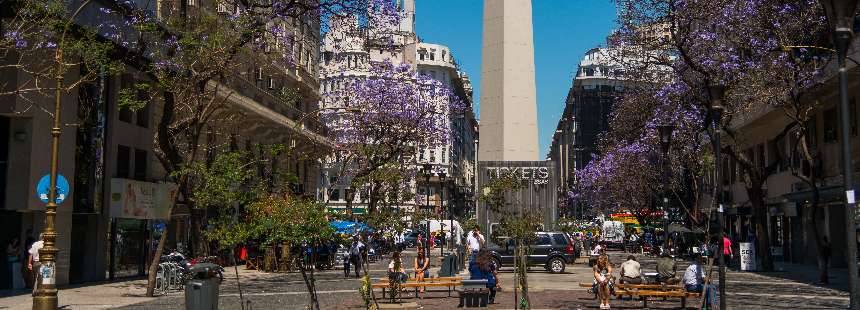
[{"x": 563, "y": 31}]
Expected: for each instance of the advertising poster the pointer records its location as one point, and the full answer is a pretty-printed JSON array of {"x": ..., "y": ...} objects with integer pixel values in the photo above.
[{"x": 140, "y": 200}]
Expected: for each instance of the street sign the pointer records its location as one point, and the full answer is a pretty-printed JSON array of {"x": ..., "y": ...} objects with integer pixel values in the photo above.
[
  {"x": 747, "y": 256},
  {"x": 42, "y": 188}
]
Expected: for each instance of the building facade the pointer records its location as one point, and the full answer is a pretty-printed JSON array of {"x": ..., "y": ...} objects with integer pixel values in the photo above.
[
  {"x": 599, "y": 80},
  {"x": 790, "y": 213},
  {"x": 109, "y": 155},
  {"x": 349, "y": 52}
]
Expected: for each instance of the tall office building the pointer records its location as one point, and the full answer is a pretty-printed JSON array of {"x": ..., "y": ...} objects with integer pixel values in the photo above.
[{"x": 508, "y": 106}]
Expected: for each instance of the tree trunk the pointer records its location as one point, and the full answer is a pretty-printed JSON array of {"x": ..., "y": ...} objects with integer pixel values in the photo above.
[
  {"x": 309, "y": 281},
  {"x": 760, "y": 214},
  {"x": 153, "y": 266},
  {"x": 523, "y": 276}
]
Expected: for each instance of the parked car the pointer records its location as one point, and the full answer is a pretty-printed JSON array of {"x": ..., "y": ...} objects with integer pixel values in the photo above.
[
  {"x": 552, "y": 250},
  {"x": 411, "y": 239}
]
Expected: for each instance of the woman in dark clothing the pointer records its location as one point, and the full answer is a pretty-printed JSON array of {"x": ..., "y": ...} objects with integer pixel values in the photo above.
[{"x": 483, "y": 267}]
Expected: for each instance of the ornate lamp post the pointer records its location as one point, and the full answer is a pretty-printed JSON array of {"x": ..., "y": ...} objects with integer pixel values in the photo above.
[
  {"x": 442, "y": 179},
  {"x": 717, "y": 93},
  {"x": 350, "y": 196},
  {"x": 665, "y": 133},
  {"x": 840, "y": 16},
  {"x": 427, "y": 174}
]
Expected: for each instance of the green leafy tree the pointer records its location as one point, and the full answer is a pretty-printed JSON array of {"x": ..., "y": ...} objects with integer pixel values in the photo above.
[
  {"x": 516, "y": 223},
  {"x": 290, "y": 220}
]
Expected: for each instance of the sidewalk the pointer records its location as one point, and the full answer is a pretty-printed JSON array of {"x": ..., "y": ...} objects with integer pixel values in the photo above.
[{"x": 86, "y": 296}]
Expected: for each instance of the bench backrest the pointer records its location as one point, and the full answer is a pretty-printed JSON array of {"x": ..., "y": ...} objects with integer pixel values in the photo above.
[{"x": 482, "y": 283}]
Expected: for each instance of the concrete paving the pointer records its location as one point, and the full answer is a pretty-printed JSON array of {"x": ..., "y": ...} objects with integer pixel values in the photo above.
[{"x": 792, "y": 288}]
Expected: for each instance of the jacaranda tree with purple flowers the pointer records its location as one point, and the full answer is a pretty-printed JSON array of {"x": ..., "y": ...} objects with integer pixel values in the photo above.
[
  {"x": 379, "y": 120},
  {"x": 194, "y": 58},
  {"x": 753, "y": 47}
]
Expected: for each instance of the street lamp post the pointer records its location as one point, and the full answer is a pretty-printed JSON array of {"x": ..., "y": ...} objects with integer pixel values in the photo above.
[
  {"x": 427, "y": 175},
  {"x": 840, "y": 16},
  {"x": 665, "y": 133},
  {"x": 350, "y": 196},
  {"x": 717, "y": 92},
  {"x": 442, "y": 177}
]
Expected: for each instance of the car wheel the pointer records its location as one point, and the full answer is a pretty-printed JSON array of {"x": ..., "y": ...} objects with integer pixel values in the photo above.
[{"x": 556, "y": 265}]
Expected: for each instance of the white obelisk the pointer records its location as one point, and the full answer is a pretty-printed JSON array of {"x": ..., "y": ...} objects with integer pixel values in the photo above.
[{"x": 508, "y": 125}]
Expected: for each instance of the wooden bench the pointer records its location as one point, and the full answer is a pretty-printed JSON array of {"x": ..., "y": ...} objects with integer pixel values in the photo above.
[
  {"x": 644, "y": 294},
  {"x": 628, "y": 287},
  {"x": 385, "y": 285},
  {"x": 436, "y": 279}
]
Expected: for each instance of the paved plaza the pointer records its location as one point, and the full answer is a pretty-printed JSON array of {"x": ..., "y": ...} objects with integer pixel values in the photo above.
[{"x": 787, "y": 289}]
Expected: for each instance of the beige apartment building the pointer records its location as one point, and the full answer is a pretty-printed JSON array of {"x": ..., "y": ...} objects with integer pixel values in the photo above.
[
  {"x": 349, "y": 52},
  {"x": 787, "y": 198}
]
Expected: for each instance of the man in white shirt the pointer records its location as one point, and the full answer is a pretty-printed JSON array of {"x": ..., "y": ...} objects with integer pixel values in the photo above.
[
  {"x": 33, "y": 262},
  {"x": 355, "y": 254},
  {"x": 473, "y": 242},
  {"x": 631, "y": 271},
  {"x": 694, "y": 276}
]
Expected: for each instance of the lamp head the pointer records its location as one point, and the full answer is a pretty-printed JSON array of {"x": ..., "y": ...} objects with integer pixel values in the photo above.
[
  {"x": 665, "y": 133},
  {"x": 717, "y": 92},
  {"x": 840, "y": 14}
]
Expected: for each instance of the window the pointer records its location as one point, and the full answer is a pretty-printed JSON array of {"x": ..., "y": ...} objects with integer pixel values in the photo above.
[
  {"x": 432, "y": 54},
  {"x": 830, "y": 125},
  {"x": 589, "y": 72},
  {"x": 222, "y": 7},
  {"x": 140, "y": 163},
  {"x": 192, "y": 2},
  {"x": 143, "y": 113},
  {"x": 123, "y": 161},
  {"x": 271, "y": 83},
  {"x": 543, "y": 239},
  {"x": 559, "y": 239},
  {"x": 335, "y": 194},
  {"x": 126, "y": 115},
  {"x": 259, "y": 72}
]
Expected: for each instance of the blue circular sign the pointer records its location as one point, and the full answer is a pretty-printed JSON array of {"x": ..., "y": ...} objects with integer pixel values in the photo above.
[{"x": 42, "y": 188}]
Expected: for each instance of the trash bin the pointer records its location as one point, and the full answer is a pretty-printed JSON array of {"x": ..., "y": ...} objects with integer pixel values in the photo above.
[
  {"x": 201, "y": 291},
  {"x": 448, "y": 268}
]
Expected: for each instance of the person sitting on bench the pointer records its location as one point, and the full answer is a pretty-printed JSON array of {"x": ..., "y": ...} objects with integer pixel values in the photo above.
[
  {"x": 631, "y": 271},
  {"x": 421, "y": 266},
  {"x": 603, "y": 280},
  {"x": 483, "y": 267},
  {"x": 667, "y": 270},
  {"x": 395, "y": 269},
  {"x": 694, "y": 276}
]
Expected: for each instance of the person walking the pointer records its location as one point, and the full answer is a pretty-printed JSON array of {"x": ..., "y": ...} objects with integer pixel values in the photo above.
[
  {"x": 603, "y": 280},
  {"x": 33, "y": 262},
  {"x": 432, "y": 241},
  {"x": 728, "y": 254},
  {"x": 355, "y": 252},
  {"x": 420, "y": 241},
  {"x": 422, "y": 265}
]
